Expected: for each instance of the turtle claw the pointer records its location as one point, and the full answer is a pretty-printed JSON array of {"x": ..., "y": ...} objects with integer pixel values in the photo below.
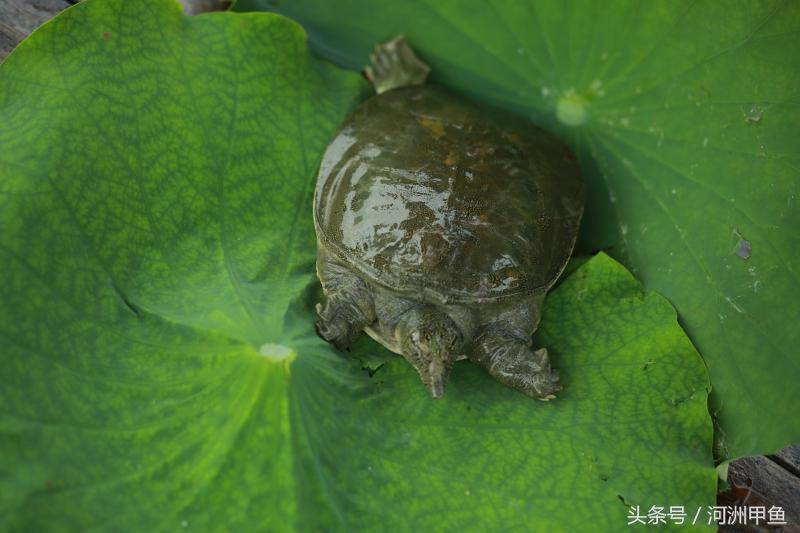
[
  {"x": 341, "y": 338},
  {"x": 541, "y": 384},
  {"x": 544, "y": 381},
  {"x": 336, "y": 329},
  {"x": 512, "y": 363},
  {"x": 394, "y": 65},
  {"x": 544, "y": 386}
]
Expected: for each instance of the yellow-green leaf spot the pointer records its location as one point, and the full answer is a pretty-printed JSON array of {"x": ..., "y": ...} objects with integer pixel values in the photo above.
[
  {"x": 276, "y": 352},
  {"x": 571, "y": 109}
]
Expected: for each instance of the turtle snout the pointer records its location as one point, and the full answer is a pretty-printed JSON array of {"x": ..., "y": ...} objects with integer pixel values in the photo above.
[
  {"x": 437, "y": 375},
  {"x": 431, "y": 342}
]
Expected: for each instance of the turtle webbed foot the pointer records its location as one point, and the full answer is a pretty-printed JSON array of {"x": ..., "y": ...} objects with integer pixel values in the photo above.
[
  {"x": 394, "y": 64},
  {"x": 512, "y": 363},
  {"x": 348, "y": 307},
  {"x": 339, "y": 325},
  {"x": 535, "y": 376}
]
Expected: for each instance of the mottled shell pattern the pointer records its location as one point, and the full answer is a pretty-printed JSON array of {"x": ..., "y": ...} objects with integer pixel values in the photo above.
[{"x": 424, "y": 192}]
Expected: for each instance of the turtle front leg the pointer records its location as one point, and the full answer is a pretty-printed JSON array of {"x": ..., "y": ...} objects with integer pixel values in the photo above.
[
  {"x": 509, "y": 359},
  {"x": 348, "y": 305}
]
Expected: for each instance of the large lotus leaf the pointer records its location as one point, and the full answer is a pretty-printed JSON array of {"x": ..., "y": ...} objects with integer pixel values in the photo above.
[
  {"x": 160, "y": 368},
  {"x": 685, "y": 116}
]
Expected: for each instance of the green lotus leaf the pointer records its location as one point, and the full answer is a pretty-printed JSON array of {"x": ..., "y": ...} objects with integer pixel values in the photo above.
[
  {"x": 685, "y": 117},
  {"x": 160, "y": 367}
]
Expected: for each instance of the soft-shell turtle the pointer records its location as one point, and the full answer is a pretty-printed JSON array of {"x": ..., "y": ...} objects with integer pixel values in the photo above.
[{"x": 441, "y": 224}]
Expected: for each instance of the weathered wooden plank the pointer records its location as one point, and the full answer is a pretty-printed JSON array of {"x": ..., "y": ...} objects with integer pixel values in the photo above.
[
  {"x": 8, "y": 40},
  {"x": 760, "y": 482},
  {"x": 789, "y": 458},
  {"x": 18, "y": 18}
]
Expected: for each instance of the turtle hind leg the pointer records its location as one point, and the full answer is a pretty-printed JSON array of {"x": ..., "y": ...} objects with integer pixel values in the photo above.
[
  {"x": 348, "y": 306},
  {"x": 510, "y": 361},
  {"x": 394, "y": 65}
]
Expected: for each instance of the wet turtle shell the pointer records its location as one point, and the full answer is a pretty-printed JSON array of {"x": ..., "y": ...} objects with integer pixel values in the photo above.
[{"x": 425, "y": 192}]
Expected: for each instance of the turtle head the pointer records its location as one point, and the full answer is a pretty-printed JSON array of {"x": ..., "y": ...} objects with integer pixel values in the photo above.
[{"x": 431, "y": 342}]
